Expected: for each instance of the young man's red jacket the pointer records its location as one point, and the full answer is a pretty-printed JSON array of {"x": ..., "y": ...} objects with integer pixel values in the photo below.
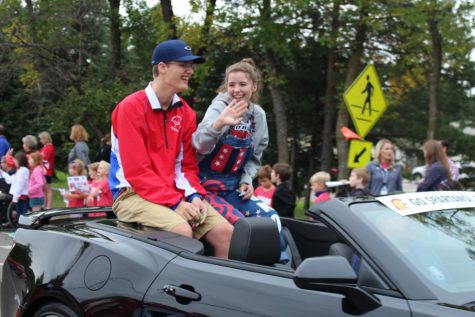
[{"x": 152, "y": 151}]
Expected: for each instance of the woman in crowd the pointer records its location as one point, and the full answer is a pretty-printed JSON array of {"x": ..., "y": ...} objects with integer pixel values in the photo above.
[
  {"x": 48, "y": 162},
  {"x": 438, "y": 168},
  {"x": 80, "y": 149},
  {"x": 385, "y": 175}
]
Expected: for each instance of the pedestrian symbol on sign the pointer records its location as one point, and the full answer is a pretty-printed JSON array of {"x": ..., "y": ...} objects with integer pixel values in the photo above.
[{"x": 369, "y": 91}]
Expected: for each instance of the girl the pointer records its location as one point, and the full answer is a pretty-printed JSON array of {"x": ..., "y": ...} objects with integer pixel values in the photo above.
[
  {"x": 438, "y": 168},
  {"x": 266, "y": 189},
  {"x": 385, "y": 175},
  {"x": 76, "y": 198},
  {"x": 48, "y": 161},
  {"x": 230, "y": 141},
  {"x": 36, "y": 182},
  {"x": 100, "y": 192},
  {"x": 92, "y": 172},
  {"x": 19, "y": 188}
]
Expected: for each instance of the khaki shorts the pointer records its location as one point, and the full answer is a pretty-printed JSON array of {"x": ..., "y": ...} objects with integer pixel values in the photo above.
[{"x": 130, "y": 207}]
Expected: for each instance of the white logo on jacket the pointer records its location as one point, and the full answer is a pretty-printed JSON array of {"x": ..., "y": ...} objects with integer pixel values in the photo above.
[{"x": 176, "y": 123}]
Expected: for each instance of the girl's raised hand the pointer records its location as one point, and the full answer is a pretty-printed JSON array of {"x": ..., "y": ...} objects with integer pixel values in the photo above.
[{"x": 231, "y": 115}]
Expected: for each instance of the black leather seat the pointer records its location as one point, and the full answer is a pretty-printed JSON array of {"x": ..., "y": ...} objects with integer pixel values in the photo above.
[
  {"x": 342, "y": 249},
  {"x": 255, "y": 240}
]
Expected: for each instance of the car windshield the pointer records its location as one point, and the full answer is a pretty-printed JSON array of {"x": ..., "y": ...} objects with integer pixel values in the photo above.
[{"x": 439, "y": 244}]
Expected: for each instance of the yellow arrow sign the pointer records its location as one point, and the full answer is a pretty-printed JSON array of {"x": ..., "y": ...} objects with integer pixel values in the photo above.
[
  {"x": 365, "y": 100},
  {"x": 360, "y": 153}
]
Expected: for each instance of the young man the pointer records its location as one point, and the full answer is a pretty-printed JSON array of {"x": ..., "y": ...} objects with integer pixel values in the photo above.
[
  {"x": 154, "y": 173},
  {"x": 283, "y": 200},
  {"x": 359, "y": 178}
]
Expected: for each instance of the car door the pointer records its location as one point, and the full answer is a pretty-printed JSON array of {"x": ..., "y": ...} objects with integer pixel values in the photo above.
[{"x": 200, "y": 286}]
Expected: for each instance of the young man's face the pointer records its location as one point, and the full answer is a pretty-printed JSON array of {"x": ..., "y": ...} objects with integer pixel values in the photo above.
[
  {"x": 274, "y": 177},
  {"x": 316, "y": 187},
  {"x": 354, "y": 180},
  {"x": 177, "y": 74}
]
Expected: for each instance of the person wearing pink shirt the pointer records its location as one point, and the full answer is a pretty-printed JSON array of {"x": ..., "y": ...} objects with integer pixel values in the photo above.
[
  {"x": 100, "y": 192},
  {"x": 48, "y": 161},
  {"x": 36, "y": 182},
  {"x": 266, "y": 189},
  {"x": 319, "y": 187}
]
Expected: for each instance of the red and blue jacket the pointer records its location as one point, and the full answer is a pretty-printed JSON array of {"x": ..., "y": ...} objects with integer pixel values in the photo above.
[{"x": 152, "y": 151}]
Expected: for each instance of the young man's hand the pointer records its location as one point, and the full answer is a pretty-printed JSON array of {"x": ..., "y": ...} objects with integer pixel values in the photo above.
[
  {"x": 198, "y": 202},
  {"x": 190, "y": 212}
]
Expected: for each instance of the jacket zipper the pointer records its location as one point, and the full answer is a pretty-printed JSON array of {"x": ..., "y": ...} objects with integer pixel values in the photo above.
[{"x": 165, "y": 129}]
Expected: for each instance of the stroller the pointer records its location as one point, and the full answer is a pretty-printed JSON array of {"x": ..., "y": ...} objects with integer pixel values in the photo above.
[{"x": 7, "y": 207}]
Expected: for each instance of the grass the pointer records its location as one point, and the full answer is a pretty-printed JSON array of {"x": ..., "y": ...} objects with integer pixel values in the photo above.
[
  {"x": 299, "y": 209},
  {"x": 60, "y": 181}
]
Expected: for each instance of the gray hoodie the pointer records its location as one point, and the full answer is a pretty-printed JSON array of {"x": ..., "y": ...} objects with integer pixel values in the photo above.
[{"x": 205, "y": 137}]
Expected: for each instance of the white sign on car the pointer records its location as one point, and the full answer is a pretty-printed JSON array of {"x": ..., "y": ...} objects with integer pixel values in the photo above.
[{"x": 413, "y": 203}]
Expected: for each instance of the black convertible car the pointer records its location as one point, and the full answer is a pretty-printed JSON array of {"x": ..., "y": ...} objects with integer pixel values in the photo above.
[{"x": 405, "y": 255}]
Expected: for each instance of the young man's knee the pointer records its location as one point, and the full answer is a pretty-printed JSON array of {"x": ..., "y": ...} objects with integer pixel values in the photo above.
[
  {"x": 183, "y": 229},
  {"x": 221, "y": 233}
]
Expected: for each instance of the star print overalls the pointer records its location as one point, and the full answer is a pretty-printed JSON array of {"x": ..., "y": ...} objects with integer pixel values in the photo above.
[{"x": 220, "y": 173}]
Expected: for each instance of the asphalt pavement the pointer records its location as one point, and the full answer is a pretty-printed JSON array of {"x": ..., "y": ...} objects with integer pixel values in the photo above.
[{"x": 5, "y": 246}]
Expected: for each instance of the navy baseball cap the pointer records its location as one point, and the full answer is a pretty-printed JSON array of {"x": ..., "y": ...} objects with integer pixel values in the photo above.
[{"x": 174, "y": 51}]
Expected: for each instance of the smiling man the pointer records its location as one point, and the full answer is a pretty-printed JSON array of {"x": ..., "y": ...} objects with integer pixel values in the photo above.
[{"x": 154, "y": 173}]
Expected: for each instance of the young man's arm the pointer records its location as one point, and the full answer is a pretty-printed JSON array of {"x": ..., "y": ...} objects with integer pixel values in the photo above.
[
  {"x": 128, "y": 128},
  {"x": 186, "y": 176}
]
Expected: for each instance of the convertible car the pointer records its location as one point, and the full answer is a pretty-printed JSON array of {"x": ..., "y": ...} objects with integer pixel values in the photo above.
[{"x": 403, "y": 255}]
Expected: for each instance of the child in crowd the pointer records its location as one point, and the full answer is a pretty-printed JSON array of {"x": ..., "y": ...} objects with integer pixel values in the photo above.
[
  {"x": 100, "y": 192},
  {"x": 76, "y": 198},
  {"x": 266, "y": 189},
  {"x": 36, "y": 182},
  {"x": 283, "y": 199},
  {"x": 359, "y": 178},
  {"x": 92, "y": 172},
  {"x": 19, "y": 188},
  {"x": 319, "y": 187}
]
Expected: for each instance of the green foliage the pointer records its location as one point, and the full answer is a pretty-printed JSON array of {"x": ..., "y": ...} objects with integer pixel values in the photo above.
[{"x": 55, "y": 65}]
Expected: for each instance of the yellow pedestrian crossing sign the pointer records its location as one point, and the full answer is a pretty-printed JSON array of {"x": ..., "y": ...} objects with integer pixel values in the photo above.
[
  {"x": 360, "y": 153},
  {"x": 365, "y": 100}
]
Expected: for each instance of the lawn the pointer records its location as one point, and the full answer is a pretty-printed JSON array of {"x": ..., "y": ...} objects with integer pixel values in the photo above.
[{"x": 59, "y": 182}]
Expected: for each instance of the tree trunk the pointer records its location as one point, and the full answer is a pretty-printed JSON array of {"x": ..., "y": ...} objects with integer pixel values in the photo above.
[
  {"x": 352, "y": 72},
  {"x": 115, "y": 37},
  {"x": 205, "y": 31},
  {"x": 168, "y": 16},
  {"x": 434, "y": 73},
  {"x": 276, "y": 95},
  {"x": 327, "y": 140}
]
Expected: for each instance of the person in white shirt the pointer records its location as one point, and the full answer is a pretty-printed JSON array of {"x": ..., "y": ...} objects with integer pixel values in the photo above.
[{"x": 19, "y": 189}]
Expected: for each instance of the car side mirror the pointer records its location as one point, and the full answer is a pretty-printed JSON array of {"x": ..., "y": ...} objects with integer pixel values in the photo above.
[{"x": 333, "y": 274}]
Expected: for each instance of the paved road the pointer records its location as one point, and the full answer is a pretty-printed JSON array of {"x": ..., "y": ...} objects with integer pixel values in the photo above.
[{"x": 5, "y": 246}]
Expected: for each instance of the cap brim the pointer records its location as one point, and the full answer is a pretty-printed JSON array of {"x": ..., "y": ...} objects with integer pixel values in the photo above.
[{"x": 191, "y": 58}]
